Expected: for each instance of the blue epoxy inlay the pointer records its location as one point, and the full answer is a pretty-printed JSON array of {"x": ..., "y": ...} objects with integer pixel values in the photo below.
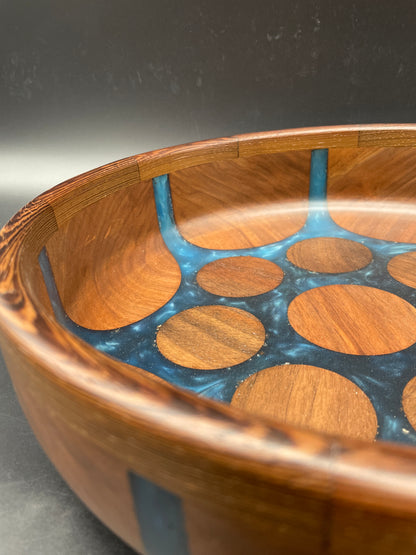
[
  {"x": 381, "y": 377},
  {"x": 161, "y": 518},
  {"x": 318, "y": 176}
]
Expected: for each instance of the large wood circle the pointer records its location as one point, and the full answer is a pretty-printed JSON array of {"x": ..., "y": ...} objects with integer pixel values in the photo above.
[
  {"x": 403, "y": 268},
  {"x": 354, "y": 319},
  {"x": 330, "y": 255},
  {"x": 310, "y": 397},
  {"x": 210, "y": 337},
  {"x": 240, "y": 276}
]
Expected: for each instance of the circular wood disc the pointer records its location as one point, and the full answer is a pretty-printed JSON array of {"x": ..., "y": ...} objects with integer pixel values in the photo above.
[
  {"x": 403, "y": 268},
  {"x": 240, "y": 276},
  {"x": 329, "y": 255},
  {"x": 409, "y": 401},
  {"x": 310, "y": 397},
  {"x": 210, "y": 337},
  {"x": 354, "y": 319}
]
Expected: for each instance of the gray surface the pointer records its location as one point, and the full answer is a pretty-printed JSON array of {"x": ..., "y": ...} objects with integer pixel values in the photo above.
[
  {"x": 89, "y": 81},
  {"x": 39, "y": 514}
]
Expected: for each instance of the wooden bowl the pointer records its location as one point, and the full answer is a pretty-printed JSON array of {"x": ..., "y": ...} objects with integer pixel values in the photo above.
[{"x": 216, "y": 343}]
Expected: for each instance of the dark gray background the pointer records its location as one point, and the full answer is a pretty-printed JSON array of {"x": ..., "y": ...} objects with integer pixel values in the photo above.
[{"x": 86, "y": 82}]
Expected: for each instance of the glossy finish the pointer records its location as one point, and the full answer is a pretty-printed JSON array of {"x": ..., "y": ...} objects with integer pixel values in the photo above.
[
  {"x": 236, "y": 334},
  {"x": 108, "y": 425}
]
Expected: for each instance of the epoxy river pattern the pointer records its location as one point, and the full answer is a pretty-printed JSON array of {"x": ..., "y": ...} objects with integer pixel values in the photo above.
[{"x": 276, "y": 335}]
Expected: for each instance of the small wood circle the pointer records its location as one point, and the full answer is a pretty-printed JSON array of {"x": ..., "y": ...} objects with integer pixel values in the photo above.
[
  {"x": 210, "y": 337},
  {"x": 330, "y": 255},
  {"x": 354, "y": 319},
  {"x": 403, "y": 268},
  {"x": 409, "y": 401},
  {"x": 240, "y": 276},
  {"x": 311, "y": 397}
]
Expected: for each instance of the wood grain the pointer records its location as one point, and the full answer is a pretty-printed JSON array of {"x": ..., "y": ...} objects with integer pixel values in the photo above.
[
  {"x": 92, "y": 187},
  {"x": 245, "y": 480},
  {"x": 378, "y": 181},
  {"x": 110, "y": 263},
  {"x": 278, "y": 141},
  {"x": 396, "y": 135},
  {"x": 330, "y": 255},
  {"x": 237, "y": 204},
  {"x": 354, "y": 319},
  {"x": 79, "y": 459},
  {"x": 239, "y": 276},
  {"x": 311, "y": 397},
  {"x": 403, "y": 268},
  {"x": 210, "y": 337},
  {"x": 168, "y": 160},
  {"x": 409, "y": 402},
  {"x": 211, "y": 530},
  {"x": 327, "y": 137},
  {"x": 355, "y": 531}
]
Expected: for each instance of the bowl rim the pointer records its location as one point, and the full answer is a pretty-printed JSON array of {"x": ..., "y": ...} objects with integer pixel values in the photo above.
[{"x": 377, "y": 474}]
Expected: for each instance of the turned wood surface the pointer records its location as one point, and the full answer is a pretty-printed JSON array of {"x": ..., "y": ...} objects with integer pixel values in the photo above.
[
  {"x": 209, "y": 337},
  {"x": 260, "y": 474},
  {"x": 240, "y": 276},
  {"x": 237, "y": 204},
  {"x": 354, "y": 319},
  {"x": 409, "y": 401},
  {"x": 329, "y": 255},
  {"x": 403, "y": 268},
  {"x": 364, "y": 175},
  {"x": 114, "y": 255},
  {"x": 314, "y": 398}
]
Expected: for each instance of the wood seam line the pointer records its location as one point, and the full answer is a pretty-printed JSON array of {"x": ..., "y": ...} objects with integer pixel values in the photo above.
[
  {"x": 359, "y": 138},
  {"x": 47, "y": 210},
  {"x": 58, "y": 225},
  {"x": 138, "y": 169},
  {"x": 55, "y": 220},
  {"x": 238, "y": 148}
]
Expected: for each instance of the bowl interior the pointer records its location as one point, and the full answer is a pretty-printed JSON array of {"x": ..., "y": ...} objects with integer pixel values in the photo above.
[{"x": 282, "y": 283}]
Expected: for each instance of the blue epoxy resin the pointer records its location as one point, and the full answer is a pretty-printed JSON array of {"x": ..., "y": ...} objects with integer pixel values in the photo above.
[
  {"x": 381, "y": 377},
  {"x": 161, "y": 517}
]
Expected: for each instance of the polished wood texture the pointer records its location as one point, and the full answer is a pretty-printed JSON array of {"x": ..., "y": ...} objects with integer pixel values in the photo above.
[
  {"x": 385, "y": 174},
  {"x": 330, "y": 255},
  {"x": 209, "y": 337},
  {"x": 248, "y": 483},
  {"x": 409, "y": 401},
  {"x": 354, "y": 319},
  {"x": 311, "y": 397},
  {"x": 240, "y": 276},
  {"x": 403, "y": 268},
  {"x": 215, "y": 207},
  {"x": 118, "y": 231}
]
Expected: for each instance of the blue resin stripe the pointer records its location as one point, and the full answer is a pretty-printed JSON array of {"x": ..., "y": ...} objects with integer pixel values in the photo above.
[
  {"x": 161, "y": 518},
  {"x": 318, "y": 176},
  {"x": 52, "y": 290},
  {"x": 381, "y": 377}
]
